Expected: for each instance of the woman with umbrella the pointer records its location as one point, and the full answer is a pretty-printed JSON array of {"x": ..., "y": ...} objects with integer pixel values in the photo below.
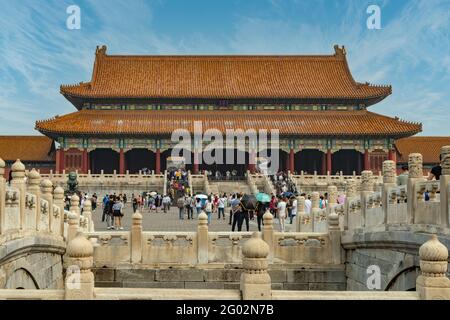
[{"x": 262, "y": 205}]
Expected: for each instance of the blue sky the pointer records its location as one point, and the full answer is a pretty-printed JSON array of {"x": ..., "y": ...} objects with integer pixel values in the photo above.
[{"x": 411, "y": 51}]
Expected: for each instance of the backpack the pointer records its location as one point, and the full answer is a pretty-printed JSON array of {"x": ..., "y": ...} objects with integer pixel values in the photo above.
[{"x": 208, "y": 207}]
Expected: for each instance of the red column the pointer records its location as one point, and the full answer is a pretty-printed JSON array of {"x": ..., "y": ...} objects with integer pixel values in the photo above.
[
  {"x": 324, "y": 164},
  {"x": 252, "y": 162},
  {"x": 366, "y": 160},
  {"x": 195, "y": 163},
  {"x": 158, "y": 161},
  {"x": 121, "y": 162},
  {"x": 329, "y": 160},
  {"x": 291, "y": 160},
  {"x": 62, "y": 163},
  {"x": 58, "y": 160},
  {"x": 85, "y": 161},
  {"x": 392, "y": 155},
  {"x": 88, "y": 162}
]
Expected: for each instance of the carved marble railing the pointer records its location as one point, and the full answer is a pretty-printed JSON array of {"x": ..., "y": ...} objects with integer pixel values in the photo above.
[{"x": 29, "y": 205}]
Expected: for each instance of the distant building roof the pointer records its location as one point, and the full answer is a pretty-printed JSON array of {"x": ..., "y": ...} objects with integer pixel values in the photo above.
[
  {"x": 26, "y": 148},
  {"x": 164, "y": 122},
  {"x": 311, "y": 77},
  {"x": 429, "y": 147}
]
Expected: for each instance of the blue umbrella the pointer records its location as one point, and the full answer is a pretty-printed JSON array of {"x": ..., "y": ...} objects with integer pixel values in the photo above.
[
  {"x": 263, "y": 197},
  {"x": 288, "y": 194}
]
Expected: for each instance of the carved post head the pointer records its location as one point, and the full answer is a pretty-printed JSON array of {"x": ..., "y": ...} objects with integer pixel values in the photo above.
[
  {"x": 2, "y": 167},
  {"x": 445, "y": 160},
  {"x": 74, "y": 203},
  {"x": 333, "y": 222},
  {"x": 433, "y": 258},
  {"x": 18, "y": 170},
  {"x": 87, "y": 206},
  {"x": 332, "y": 195},
  {"x": 255, "y": 249},
  {"x": 301, "y": 204},
  {"x": 389, "y": 171},
  {"x": 268, "y": 219},
  {"x": 137, "y": 219},
  {"x": 202, "y": 220},
  {"x": 415, "y": 165},
  {"x": 366, "y": 180},
  {"x": 34, "y": 179},
  {"x": 58, "y": 194},
  {"x": 315, "y": 200},
  {"x": 351, "y": 188},
  {"x": 46, "y": 187}
]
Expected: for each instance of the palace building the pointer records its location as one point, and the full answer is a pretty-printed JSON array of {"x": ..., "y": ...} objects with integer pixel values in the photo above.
[{"x": 128, "y": 110}]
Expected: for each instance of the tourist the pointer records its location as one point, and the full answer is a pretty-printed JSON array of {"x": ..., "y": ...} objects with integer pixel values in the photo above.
[
  {"x": 109, "y": 215},
  {"x": 245, "y": 216},
  {"x": 188, "y": 206},
  {"x": 293, "y": 208},
  {"x": 236, "y": 212},
  {"x": 260, "y": 210},
  {"x": 281, "y": 210},
  {"x": 221, "y": 206},
  {"x": 308, "y": 203},
  {"x": 124, "y": 200},
  {"x": 273, "y": 206},
  {"x": 198, "y": 206},
  {"x": 209, "y": 208},
  {"x": 341, "y": 198},
  {"x": 402, "y": 179},
  {"x": 322, "y": 202},
  {"x": 135, "y": 203},
  {"x": 436, "y": 171},
  {"x": 166, "y": 203},
  {"x": 104, "y": 207},
  {"x": 180, "y": 205},
  {"x": 117, "y": 214},
  {"x": 94, "y": 202}
]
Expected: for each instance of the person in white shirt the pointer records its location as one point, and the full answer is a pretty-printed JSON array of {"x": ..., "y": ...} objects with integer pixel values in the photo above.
[
  {"x": 308, "y": 203},
  {"x": 221, "y": 207},
  {"x": 166, "y": 202},
  {"x": 281, "y": 208},
  {"x": 293, "y": 209}
]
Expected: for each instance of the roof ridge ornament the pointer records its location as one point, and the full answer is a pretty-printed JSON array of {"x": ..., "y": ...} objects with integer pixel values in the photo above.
[
  {"x": 339, "y": 52},
  {"x": 101, "y": 50}
]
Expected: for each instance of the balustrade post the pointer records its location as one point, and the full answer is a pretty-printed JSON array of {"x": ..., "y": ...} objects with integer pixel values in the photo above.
[
  {"x": 350, "y": 193},
  {"x": 79, "y": 282},
  {"x": 202, "y": 238},
  {"x": 267, "y": 233},
  {"x": 301, "y": 213},
  {"x": 75, "y": 204},
  {"x": 47, "y": 194},
  {"x": 87, "y": 214},
  {"x": 366, "y": 190},
  {"x": 334, "y": 232},
  {"x": 389, "y": 181},
  {"x": 444, "y": 186},
  {"x": 255, "y": 280},
  {"x": 136, "y": 238},
  {"x": 18, "y": 182},
  {"x": 34, "y": 181},
  {"x": 314, "y": 209},
  {"x": 74, "y": 223},
  {"x": 58, "y": 200},
  {"x": 432, "y": 283},
  {"x": 415, "y": 176},
  {"x": 332, "y": 198},
  {"x": 2, "y": 196}
]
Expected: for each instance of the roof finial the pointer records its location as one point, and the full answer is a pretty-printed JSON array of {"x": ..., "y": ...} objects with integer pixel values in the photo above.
[
  {"x": 101, "y": 50},
  {"x": 339, "y": 52}
]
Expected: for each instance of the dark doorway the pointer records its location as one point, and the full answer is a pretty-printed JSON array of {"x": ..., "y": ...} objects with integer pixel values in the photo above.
[
  {"x": 346, "y": 161},
  {"x": 104, "y": 159},
  {"x": 231, "y": 159},
  {"x": 309, "y": 160},
  {"x": 137, "y": 159}
]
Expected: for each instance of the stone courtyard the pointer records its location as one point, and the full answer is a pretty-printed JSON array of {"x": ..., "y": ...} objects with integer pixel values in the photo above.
[{"x": 160, "y": 221}]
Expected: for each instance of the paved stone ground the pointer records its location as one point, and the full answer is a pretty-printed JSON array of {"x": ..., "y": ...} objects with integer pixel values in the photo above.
[{"x": 169, "y": 221}]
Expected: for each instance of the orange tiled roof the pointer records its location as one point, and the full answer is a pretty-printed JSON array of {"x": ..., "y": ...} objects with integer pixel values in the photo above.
[
  {"x": 164, "y": 122},
  {"x": 429, "y": 147},
  {"x": 26, "y": 148},
  {"x": 225, "y": 77}
]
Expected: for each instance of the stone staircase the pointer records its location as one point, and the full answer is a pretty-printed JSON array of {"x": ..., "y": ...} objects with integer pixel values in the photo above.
[{"x": 228, "y": 187}]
